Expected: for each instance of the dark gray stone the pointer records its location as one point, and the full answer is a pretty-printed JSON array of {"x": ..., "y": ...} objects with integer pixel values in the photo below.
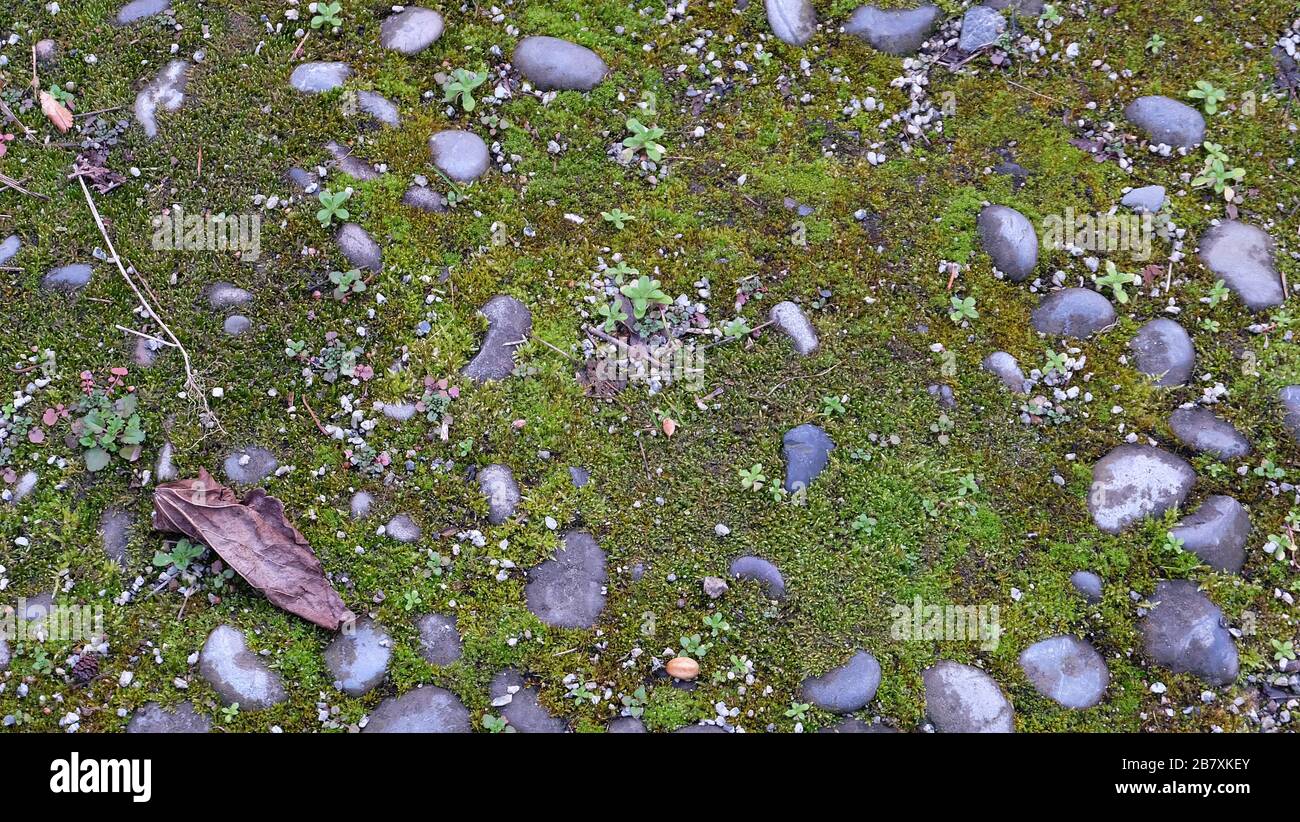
[
  {"x": 411, "y": 31},
  {"x": 626, "y": 725},
  {"x": 236, "y": 324},
  {"x": 807, "y": 450},
  {"x": 569, "y": 591},
  {"x": 550, "y": 64},
  {"x": 318, "y": 78},
  {"x": 68, "y": 278},
  {"x": 379, "y": 107},
  {"x": 250, "y": 465},
  {"x": 424, "y": 198},
  {"x": 349, "y": 163},
  {"x": 1163, "y": 351},
  {"x": 792, "y": 21},
  {"x": 579, "y": 476},
  {"x": 5, "y": 654},
  {"x": 1134, "y": 482},
  {"x": 1167, "y": 121},
  {"x": 138, "y": 10},
  {"x": 981, "y": 27},
  {"x": 1289, "y": 396},
  {"x": 509, "y": 321},
  {"x": 846, "y": 688},
  {"x": 115, "y": 530},
  {"x": 359, "y": 248},
  {"x": 1184, "y": 632},
  {"x": 1217, "y": 533},
  {"x": 794, "y": 324},
  {"x": 1010, "y": 240},
  {"x": 497, "y": 484},
  {"x": 1147, "y": 198},
  {"x": 426, "y": 710},
  {"x": 762, "y": 572},
  {"x": 221, "y": 296},
  {"x": 403, "y": 529},
  {"x": 439, "y": 639},
  {"x": 462, "y": 155},
  {"x": 166, "y": 91},
  {"x": 518, "y": 704},
  {"x": 1088, "y": 584},
  {"x": 1243, "y": 256},
  {"x": 1005, "y": 368},
  {"x": 1066, "y": 669},
  {"x": 963, "y": 699},
  {"x": 358, "y": 657},
  {"x": 153, "y": 718},
  {"x": 9, "y": 248},
  {"x": 894, "y": 31},
  {"x": 237, "y": 674},
  {"x": 1073, "y": 312},
  {"x": 302, "y": 179},
  {"x": 1204, "y": 433}
]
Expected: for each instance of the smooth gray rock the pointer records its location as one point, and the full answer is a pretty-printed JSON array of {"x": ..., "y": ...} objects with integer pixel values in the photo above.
[
  {"x": 462, "y": 155},
  {"x": 379, "y": 107},
  {"x": 807, "y": 449},
  {"x": 1289, "y": 396},
  {"x": 626, "y": 725},
  {"x": 411, "y": 31},
  {"x": 424, "y": 198},
  {"x": 439, "y": 640},
  {"x": 963, "y": 699},
  {"x": 164, "y": 469},
  {"x": 221, "y": 296},
  {"x": 1204, "y": 433},
  {"x": 68, "y": 278},
  {"x": 1167, "y": 121},
  {"x": 5, "y": 654},
  {"x": 790, "y": 319},
  {"x": 857, "y": 726},
  {"x": 318, "y": 78},
  {"x": 1009, "y": 239},
  {"x": 403, "y": 529},
  {"x": 360, "y": 249},
  {"x": 1243, "y": 256},
  {"x": 1184, "y": 632},
  {"x": 792, "y": 21},
  {"x": 360, "y": 504},
  {"x": 426, "y": 710},
  {"x": 303, "y": 180},
  {"x": 1164, "y": 352},
  {"x": 579, "y": 476},
  {"x": 894, "y": 31},
  {"x": 1005, "y": 368},
  {"x": 1217, "y": 533},
  {"x": 349, "y": 163},
  {"x": 1147, "y": 198},
  {"x": 250, "y": 465},
  {"x": 497, "y": 484},
  {"x": 1088, "y": 584},
  {"x": 9, "y": 248},
  {"x": 1066, "y": 669},
  {"x": 569, "y": 591},
  {"x": 518, "y": 704},
  {"x": 1073, "y": 312},
  {"x": 509, "y": 321},
  {"x": 153, "y": 718},
  {"x": 552, "y": 64},
  {"x": 166, "y": 92},
  {"x": 981, "y": 26},
  {"x": 115, "y": 531},
  {"x": 1024, "y": 8},
  {"x": 138, "y": 10},
  {"x": 846, "y": 688},
  {"x": 762, "y": 572},
  {"x": 358, "y": 657},
  {"x": 236, "y": 324},
  {"x": 237, "y": 674},
  {"x": 398, "y": 411},
  {"x": 1134, "y": 482}
]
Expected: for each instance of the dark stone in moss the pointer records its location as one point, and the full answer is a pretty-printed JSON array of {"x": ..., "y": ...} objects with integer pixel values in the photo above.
[
  {"x": 497, "y": 484},
  {"x": 1217, "y": 533},
  {"x": 1163, "y": 351},
  {"x": 1184, "y": 632},
  {"x": 114, "y": 529},
  {"x": 1205, "y": 433},
  {"x": 1066, "y": 669},
  {"x": 981, "y": 27},
  {"x": 963, "y": 699},
  {"x": 318, "y": 78},
  {"x": 1167, "y": 121},
  {"x": 1088, "y": 584},
  {"x": 358, "y": 657},
  {"x": 426, "y": 710},
  {"x": 359, "y": 247},
  {"x": 1243, "y": 256},
  {"x": 579, "y": 476},
  {"x": 424, "y": 198},
  {"x": 761, "y": 571},
  {"x": 379, "y": 107},
  {"x": 1010, "y": 241},
  {"x": 250, "y": 465},
  {"x": 550, "y": 64},
  {"x": 68, "y": 278},
  {"x": 568, "y": 591},
  {"x": 1290, "y": 399},
  {"x": 846, "y": 688},
  {"x": 1134, "y": 482},
  {"x": 894, "y": 31},
  {"x": 153, "y": 718},
  {"x": 509, "y": 321},
  {"x": 1073, "y": 312},
  {"x": 792, "y": 21},
  {"x": 236, "y": 324},
  {"x": 9, "y": 248},
  {"x": 137, "y": 10},
  {"x": 1005, "y": 368},
  {"x": 237, "y": 674},
  {"x": 224, "y": 295},
  {"x": 349, "y": 163},
  {"x": 462, "y": 155},
  {"x": 411, "y": 31},
  {"x": 626, "y": 725},
  {"x": 439, "y": 640},
  {"x": 517, "y": 701},
  {"x": 807, "y": 450}
]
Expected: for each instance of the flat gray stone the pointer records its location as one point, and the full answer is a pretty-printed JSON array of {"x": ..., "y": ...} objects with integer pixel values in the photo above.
[
  {"x": 792, "y": 21},
  {"x": 963, "y": 699},
  {"x": 439, "y": 640},
  {"x": 1024, "y": 8},
  {"x": 509, "y": 321},
  {"x": 1134, "y": 482},
  {"x": 626, "y": 725},
  {"x": 250, "y": 465},
  {"x": 424, "y": 198},
  {"x": 894, "y": 31},
  {"x": 579, "y": 476},
  {"x": 1243, "y": 257},
  {"x": 138, "y": 10},
  {"x": 236, "y": 324},
  {"x": 411, "y": 31},
  {"x": 857, "y": 726},
  {"x": 426, "y": 710},
  {"x": 379, "y": 107},
  {"x": 550, "y": 64},
  {"x": 1009, "y": 239},
  {"x": 980, "y": 27},
  {"x": 1004, "y": 366},
  {"x": 1164, "y": 352},
  {"x": 153, "y": 718},
  {"x": 165, "y": 92},
  {"x": 68, "y": 278},
  {"x": 360, "y": 504},
  {"x": 360, "y": 249},
  {"x": 5, "y": 654},
  {"x": 1289, "y": 396},
  {"x": 1147, "y": 198},
  {"x": 1066, "y": 669},
  {"x": 164, "y": 469},
  {"x": 569, "y": 591},
  {"x": 1167, "y": 121},
  {"x": 462, "y": 155},
  {"x": 497, "y": 484},
  {"x": 1217, "y": 533},
  {"x": 762, "y": 572},
  {"x": 1204, "y": 433},
  {"x": 221, "y": 296},
  {"x": 115, "y": 531},
  {"x": 9, "y": 248},
  {"x": 399, "y": 411},
  {"x": 303, "y": 180},
  {"x": 1088, "y": 584},
  {"x": 22, "y": 488},
  {"x": 794, "y": 324},
  {"x": 1073, "y": 312},
  {"x": 349, "y": 163},
  {"x": 237, "y": 674},
  {"x": 403, "y": 529},
  {"x": 807, "y": 449},
  {"x": 518, "y": 704},
  {"x": 1184, "y": 632},
  {"x": 358, "y": 657},
  {"x": 846, "y": 688},
  {"x": 318, "y": 78}
]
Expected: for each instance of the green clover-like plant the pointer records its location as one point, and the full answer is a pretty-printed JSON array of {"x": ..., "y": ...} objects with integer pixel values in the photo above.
[
  {"x": 332, "y": 206},
  {"x": 1209, "y": 95},
  {"x": 613, "y": 314},
  {"x": 617, "y": 217},
  {"x": 962, "y": 309},
  {"x": 1116, "y": 280},
  {"x": 180, "y": 556},
  {"x": 346, "y": 283},
  {"x": 461, "y": 85},
  {"x": 327, "y": 14},
  {"x": 642, "y": 292},
  {"x": 644, "y": 138}
]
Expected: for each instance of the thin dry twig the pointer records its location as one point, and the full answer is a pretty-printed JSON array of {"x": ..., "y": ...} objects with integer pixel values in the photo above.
[
  {"x": 10, "y": 182},
  {"x": 807, "y": 377}
]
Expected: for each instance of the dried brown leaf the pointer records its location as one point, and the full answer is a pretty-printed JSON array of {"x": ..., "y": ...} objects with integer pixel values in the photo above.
[{"x": 56, "y": 111}]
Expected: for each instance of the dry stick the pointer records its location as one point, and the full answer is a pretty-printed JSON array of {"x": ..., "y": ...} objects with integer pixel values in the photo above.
[
  {"x": 298, "y": 51},
  {"x": 143, "y": 335},
  {"x": 616, "y": 341},
  {"x": 810, "y": 377},
  {"x": 191, "y": 382},
  {"x": 99, "y": 111},
  {"x": 10, "y": 182},
  {"x": 314, "y": 418},
  {"x": 8, "y": 112},
  {"x": 567, "y": 356}
]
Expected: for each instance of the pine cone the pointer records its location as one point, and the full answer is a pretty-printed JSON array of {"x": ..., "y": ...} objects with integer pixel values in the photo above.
[{"x": 86, "y": 669}]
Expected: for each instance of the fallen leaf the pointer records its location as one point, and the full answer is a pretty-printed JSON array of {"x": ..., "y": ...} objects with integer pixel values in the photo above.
[
  {"x": 670, "y": 426},
  {"x": 36, "y": 436},
  {"x": 56, "y": 111},
  {"x": 255, "y": 539}
]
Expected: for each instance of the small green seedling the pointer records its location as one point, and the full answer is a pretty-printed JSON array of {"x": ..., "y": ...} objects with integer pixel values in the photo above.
[
  {"x": 461, "y": 85},
  {"x": 180, "y": 556},
  {"x": 962, "y": 309},
  {"x": 346, "y": 283},
  {"x": 644, "y": 138},
  {"x": 1155, "y": 43},
  {"x": 753, "y": 478},
  {"x": 613, "y": 314},
  {"x": 332, "y": 206},
  {"x": 643, "y": 291},
  {"x": 327, "y": 14},
  {"x": 617, "y": 218},
  {"x": 1116, "y": 281},
  {"x": 1209, "y": 96}
]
